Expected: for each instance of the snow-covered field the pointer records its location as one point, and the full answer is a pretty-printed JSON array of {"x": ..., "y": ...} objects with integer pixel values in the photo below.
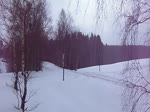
[{"x": 84, "y": 90}]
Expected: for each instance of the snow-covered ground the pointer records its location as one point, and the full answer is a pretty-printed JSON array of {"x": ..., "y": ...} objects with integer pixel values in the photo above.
[{"x": 84, "y": 90}]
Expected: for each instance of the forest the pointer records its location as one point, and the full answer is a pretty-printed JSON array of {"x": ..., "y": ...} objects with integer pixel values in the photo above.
[{"x": 80, "y": 51}]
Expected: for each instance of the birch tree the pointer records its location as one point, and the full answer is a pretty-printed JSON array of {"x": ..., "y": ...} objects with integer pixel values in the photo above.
[
  {"x": 135, "y": 22},
  {"x": 23, "y": 20}
]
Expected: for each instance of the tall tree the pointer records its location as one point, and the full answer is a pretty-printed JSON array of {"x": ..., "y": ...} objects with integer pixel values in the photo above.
[
  {"x": 64, "y": 28},
  {"x": 26, "y": 24}
]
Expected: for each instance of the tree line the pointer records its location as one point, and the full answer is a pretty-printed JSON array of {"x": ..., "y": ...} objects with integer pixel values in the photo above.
[
  {"x": 81, "y": 51},
  {"x": 88, "y": 50}
]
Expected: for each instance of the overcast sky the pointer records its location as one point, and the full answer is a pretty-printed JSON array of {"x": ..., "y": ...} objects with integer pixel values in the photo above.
[{"x": 84, "y": 15}]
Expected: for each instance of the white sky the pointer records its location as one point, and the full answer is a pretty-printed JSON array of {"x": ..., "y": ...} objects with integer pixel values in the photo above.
[{"x": 84, "y": 15}]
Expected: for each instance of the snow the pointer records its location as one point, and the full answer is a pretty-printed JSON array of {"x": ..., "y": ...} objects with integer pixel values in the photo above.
[{"x": 84, "y": 90}]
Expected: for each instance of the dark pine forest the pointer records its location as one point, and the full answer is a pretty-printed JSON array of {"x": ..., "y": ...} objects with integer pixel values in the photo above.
[{"x": 80, "y": 51}]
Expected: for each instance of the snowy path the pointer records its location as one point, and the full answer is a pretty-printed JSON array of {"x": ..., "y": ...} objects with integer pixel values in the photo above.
[{"x": 103, "y": 77}]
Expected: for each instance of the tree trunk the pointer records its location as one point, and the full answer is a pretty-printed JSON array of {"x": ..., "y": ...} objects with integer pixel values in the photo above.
[
  {"x": 63, "y": 63},
  {"x": 23, "y": 99},
  {"x": 15, "y": 66}
]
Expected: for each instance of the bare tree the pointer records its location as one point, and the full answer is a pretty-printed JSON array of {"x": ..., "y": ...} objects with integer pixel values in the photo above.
[
  {"x": 23, "y": 20},
  {"x": 136, "y": 14},
  {"x": 63, "y": 29},
  {"x": 136, "y": 95},
  {"x": 135, "y": 22}
]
